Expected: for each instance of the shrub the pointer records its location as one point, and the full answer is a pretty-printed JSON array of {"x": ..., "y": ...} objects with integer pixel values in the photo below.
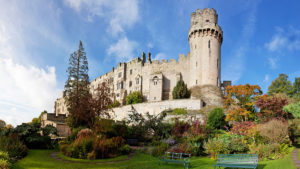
[
  {"x": 4, "y": 164},
  {"x": 215, "y": 147},
  {"x": 134, "y": 98},
  {"x": 225, "y": 144},
  {"x": 294, "y": 109},
  {"x": 125, "y": 149},
  {"x": 116, "y": 103},
  {"x": 216, "y": 118},
  {"x": 160, "y": 149},
  {"x": 270, "y": 151},
  {"x": 274, "y": 131},
  {"x": 104, "y": 148},
  {"x": 242, "y": 128},
  {"x": 15, "y": 148},
  {"x": 180, "y": 128},
  {"x": 181, "y": 91},
  {"x": 178, "y": 111},
  {"x": 293, "y": 130}
]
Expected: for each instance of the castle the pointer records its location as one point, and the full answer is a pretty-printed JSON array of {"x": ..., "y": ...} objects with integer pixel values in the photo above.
[{"x": 156, "y": 79}]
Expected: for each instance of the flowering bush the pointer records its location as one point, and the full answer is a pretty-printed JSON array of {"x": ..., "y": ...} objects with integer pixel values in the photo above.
[{"x": 180, "y": 128}]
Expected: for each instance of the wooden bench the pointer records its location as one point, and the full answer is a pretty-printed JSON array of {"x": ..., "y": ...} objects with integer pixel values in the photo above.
[
  {"x": 172, "y": 157},
  {"x": 237, "y": 161}
]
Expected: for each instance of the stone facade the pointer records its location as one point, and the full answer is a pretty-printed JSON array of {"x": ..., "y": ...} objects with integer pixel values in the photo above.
[
  {"x": 58, "y": 121},
  {"x": 154, "y": 108},
  {"x": 156, "y": 79}
]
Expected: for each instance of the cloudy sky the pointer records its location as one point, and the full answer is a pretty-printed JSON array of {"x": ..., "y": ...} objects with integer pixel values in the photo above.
[{"x": 261, "y": 40}]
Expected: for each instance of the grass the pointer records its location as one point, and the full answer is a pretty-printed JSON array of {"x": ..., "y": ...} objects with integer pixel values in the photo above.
[
  {"x": 91, "y": 161},
  {"x": 40, "y": 159}
]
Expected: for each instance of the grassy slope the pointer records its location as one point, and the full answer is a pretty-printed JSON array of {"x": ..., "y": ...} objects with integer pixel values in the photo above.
[{"x": 40, "y": 159}]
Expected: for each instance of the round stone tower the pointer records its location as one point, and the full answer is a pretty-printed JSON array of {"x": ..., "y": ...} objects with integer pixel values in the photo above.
[{"x": 205, "y": 39}]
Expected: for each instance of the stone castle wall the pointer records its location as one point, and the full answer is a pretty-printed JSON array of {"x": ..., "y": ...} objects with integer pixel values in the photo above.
[{"x": 154, "y": 108}]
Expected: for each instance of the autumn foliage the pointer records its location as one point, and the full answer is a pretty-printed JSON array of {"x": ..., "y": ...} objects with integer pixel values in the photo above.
[
  {"x": 239, "y": 102},
  {"x": 271, "y": 107}
]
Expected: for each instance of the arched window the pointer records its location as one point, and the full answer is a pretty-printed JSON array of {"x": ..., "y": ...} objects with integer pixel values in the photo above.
[{"x": 155, "y": 80}]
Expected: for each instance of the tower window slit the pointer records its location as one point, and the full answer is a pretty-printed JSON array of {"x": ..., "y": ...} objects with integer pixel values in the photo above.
[{"x": 209, "y": 44}]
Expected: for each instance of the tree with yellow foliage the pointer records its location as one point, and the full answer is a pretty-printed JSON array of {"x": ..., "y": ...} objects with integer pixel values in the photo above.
[{"x": 239, "y": 102}]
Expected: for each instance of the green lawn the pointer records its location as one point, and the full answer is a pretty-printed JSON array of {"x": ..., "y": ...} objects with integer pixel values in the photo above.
[{"x": 40, "y": 159}]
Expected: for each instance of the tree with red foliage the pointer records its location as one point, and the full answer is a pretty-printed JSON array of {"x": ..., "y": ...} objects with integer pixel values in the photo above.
[{"x": 271, "y": 107}]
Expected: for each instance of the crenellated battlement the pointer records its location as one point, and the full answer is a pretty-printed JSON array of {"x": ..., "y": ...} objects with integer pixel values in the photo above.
[
  {"x": 218, "y": 34},
  {"x": 205, "y": 23},
  {"x": 205, "y": 16}
]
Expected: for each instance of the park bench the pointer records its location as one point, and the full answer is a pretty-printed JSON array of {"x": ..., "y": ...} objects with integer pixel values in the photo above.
[
  {"x": 172, "y": 157},
  {"x": 237, "y": 161}
]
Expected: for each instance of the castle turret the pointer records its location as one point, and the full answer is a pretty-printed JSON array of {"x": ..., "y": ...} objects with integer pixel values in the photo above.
[{"x": 205, "y": 39}]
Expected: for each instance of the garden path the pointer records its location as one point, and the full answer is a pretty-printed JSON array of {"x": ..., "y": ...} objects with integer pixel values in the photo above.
[
  {"x": 295, "y": 158},
  {"x": 56, "y": 157}
]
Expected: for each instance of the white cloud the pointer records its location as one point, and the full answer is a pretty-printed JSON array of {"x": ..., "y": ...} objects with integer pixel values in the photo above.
[
  {"x": 273, "y": 62},
  {"x": 266, "y": 79},
  {"x": 123, "y": 49},
  {"x": 284, "y": 39},
  {"x": 120, "y": 14},
  {"x": 25, "y": 91}
]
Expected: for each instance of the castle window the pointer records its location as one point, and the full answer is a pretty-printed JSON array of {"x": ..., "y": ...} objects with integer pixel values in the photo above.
[
  {"x": 131, "y": 71},
  {"x": 155, "y": 80},
  {"x": 137, "y": 80},
  {"x": 154, "y": 98},
  {"x": 195, "y": 47},
  {"x": 207, "y": 20},
  {"x": 120, "y": 74},
  {"x": 209, "y": 44},
  {"x": 196, "y": 81},
  {"x": 218, "y": 63},
  {"x": 130, "y": 83},
  {"x": 118, "y": 95},
  {"x": 196, "y": 64}
]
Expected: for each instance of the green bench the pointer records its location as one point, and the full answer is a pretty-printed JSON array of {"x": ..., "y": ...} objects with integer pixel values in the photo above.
[
  {"x": 237, "y": 161},
  {"x": 172, "y": 157}
]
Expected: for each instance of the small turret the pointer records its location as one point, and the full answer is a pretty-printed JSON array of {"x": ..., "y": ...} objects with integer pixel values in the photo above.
[
  {"x": 143, "y": 57},
  {"x": 149, "y": 57}
]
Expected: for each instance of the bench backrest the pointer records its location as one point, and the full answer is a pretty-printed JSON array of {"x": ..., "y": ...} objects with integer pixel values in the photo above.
[
  {"x": 176, "y": 156},
  {"x": 238, "y": 158}
]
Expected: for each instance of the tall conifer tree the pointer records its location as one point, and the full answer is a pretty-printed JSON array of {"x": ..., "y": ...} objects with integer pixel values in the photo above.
[{"x": 77, "y": 89}]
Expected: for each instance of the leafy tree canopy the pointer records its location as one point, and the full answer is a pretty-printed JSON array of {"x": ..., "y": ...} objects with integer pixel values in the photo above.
[
  {"x": 281, "y": 85},
  {"x": 294, "y": 109},
  {"x": 239, "y": 102}
]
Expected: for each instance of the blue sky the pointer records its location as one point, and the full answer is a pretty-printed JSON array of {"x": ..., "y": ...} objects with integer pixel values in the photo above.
[{"x": 261, "y": 40}]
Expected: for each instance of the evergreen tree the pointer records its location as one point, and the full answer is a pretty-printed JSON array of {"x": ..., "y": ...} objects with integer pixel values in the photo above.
[
  {"x": 180, "y": 91},
  {"x": 77, "y": 89},
  {"x": 296, "y": 88},
  {"x": 281, "y": 85}
]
